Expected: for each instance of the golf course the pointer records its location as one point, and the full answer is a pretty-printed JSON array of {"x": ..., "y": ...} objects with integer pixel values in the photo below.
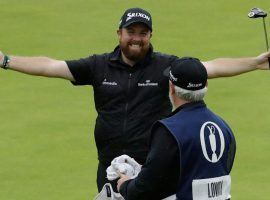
[{"x": 47, "y": 146}]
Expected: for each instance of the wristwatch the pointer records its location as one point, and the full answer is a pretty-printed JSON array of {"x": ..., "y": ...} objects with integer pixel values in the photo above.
[{"x": 5, "y": 62}]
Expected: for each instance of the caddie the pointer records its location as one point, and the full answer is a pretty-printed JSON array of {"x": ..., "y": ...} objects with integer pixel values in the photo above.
[{"x": 192, "y": 151}]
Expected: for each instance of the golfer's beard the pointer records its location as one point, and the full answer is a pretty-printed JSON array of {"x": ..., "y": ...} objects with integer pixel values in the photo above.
[{"x": 133, "y": 56}]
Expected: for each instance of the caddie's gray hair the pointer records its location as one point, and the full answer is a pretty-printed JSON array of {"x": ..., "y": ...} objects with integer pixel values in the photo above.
[{"x": 190, "y": 95}]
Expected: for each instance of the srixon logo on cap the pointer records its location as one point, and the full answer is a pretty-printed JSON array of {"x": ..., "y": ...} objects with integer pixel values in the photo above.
[
  {"x": 193, "y": 85},
  {"x": 142, "y": 15}
]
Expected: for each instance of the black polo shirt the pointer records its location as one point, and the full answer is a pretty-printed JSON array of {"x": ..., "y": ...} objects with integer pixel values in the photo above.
[{"x": 128, "y": 100}]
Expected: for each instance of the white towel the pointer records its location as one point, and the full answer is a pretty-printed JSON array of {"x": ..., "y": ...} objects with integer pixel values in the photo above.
[{"x": 124, "y": 165}]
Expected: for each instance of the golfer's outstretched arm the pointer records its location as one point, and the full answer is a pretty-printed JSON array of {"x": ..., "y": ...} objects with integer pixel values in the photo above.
[
  {"x": 38, "y": 66},
  {"x": 222, "y": 67}
]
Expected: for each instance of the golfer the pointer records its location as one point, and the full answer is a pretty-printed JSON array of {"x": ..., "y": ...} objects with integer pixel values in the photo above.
[
  {"x": 130, "y": 90},
  {"x": 192, "y": 151}
]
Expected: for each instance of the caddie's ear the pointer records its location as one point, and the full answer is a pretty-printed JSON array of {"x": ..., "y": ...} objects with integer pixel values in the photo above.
[{"x": 172, "y": 89}]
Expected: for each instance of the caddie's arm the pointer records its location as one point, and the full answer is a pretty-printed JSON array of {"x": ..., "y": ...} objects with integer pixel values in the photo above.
[
  {"x": 223, "y": 67},
  {"x": 38, "y": 66}
]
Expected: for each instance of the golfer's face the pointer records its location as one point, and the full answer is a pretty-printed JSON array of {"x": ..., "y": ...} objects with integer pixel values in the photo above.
[{"x": 135, "y": 41}]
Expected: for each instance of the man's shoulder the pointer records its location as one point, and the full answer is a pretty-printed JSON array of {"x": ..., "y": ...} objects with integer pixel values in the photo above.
[
  {"x": 103, "y": 55},
  {"x": 164, "y": 55},
  {"x": 107, "y": 54},
  {"x": 162, "y": 60},
  {"x": 102, "y": 58}
]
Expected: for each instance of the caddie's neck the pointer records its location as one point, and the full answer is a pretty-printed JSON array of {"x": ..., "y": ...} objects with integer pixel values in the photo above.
[{"x": 175, "y": 100}]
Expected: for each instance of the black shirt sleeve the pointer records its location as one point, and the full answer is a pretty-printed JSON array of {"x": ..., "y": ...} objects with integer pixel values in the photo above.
[
  {"x": 159, "y": 175},
  {"x": 82, "y": 70}
]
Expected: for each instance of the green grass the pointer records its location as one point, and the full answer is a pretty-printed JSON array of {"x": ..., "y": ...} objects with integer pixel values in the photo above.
[{"x": 46, "y": 125}]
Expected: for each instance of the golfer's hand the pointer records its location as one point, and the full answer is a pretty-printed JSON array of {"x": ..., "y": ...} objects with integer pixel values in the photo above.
[
  {"x": 262, "y": 60},
  {"x": 122, "y": 179}
]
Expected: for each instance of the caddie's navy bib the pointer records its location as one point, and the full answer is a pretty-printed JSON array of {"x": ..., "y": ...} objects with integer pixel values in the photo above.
[{"x": 207, "y": 148}]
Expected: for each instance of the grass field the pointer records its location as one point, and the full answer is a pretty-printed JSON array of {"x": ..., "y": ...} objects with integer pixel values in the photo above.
[{"x": 47, "y": 149}]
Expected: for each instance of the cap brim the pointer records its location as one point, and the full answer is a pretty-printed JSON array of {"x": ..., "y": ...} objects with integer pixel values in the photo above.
[
  {"x": 166, "y": 72},
  {"x": 136, "y": 21}
]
